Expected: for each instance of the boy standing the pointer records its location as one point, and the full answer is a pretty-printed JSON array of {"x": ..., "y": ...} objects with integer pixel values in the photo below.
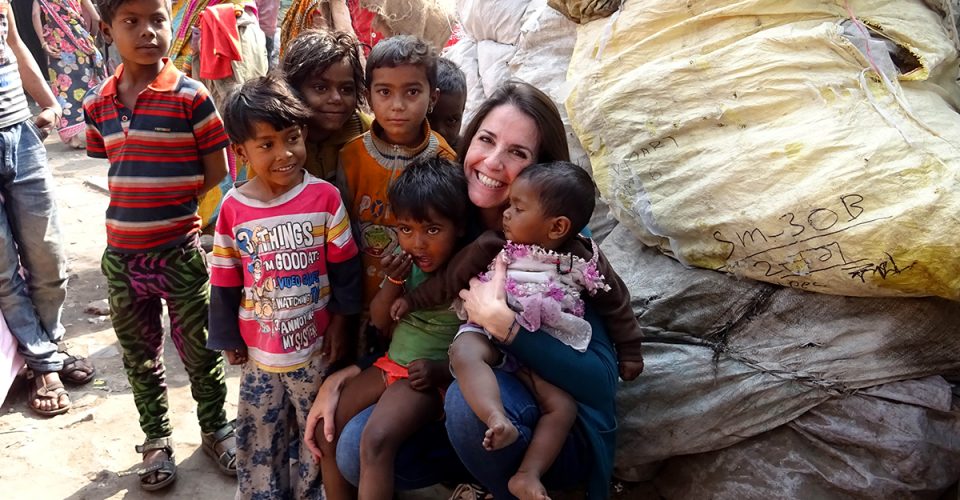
[
  {"x": 165, "y": 142},
  {"x": 285, "y": 275},
  {"x": 29, "y": 232},
  {"x": 401, "y": 80}
]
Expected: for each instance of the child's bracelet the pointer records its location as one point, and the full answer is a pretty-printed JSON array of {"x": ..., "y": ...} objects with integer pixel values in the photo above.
[{"x": 395, "y": 281}]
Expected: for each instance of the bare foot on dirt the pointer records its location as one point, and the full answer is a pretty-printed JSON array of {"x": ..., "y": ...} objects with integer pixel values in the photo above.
[
  {"x": 527, "y": 486},
  {"x": 500, "y": 433}
]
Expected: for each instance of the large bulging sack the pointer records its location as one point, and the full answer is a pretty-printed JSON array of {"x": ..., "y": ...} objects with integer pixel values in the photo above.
[{"x": 795, "y": 142}]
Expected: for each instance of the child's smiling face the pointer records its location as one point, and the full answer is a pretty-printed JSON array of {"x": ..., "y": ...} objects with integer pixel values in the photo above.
[
  {"x": 332, "y": 96},
  {"x": 277, "y": 156},
  {"x": 400, "y": 97},
  {"x": 430, "y": 242}
]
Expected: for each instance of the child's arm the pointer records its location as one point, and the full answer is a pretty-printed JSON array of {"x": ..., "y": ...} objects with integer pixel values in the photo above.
[
  {"x": 445, "y": 285},
  {"x": 395, "y": 267},
  {"x": 226, "y": 288},
  {"x": 558, "y": 412},
  {"x": 33, "y": 81},
  {"x": 345, "y": 271},
  {"x": 214, "y": 169},
  {"x": 211, "y": 139},
  {"x": 614, "y": 307}
]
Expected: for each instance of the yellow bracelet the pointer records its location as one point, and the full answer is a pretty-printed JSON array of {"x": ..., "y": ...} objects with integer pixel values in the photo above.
[{"x": 395, "y": 281}]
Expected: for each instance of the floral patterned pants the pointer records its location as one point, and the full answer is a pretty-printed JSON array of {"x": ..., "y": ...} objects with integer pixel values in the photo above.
[{"x": 272, "y": 407}]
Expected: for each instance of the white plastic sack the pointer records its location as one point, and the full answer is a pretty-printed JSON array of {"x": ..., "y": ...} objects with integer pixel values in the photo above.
[
  {"x": 492, "y": 58},
  {"x": 496, "y": 21},
  {"x": 464, "y": 54},
  {"x": 753, "y": 138}
]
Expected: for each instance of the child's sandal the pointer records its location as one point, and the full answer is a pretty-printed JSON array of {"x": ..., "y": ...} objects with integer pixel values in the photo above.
[
  {"x": 226, "y": 458},
  {"x": 166, "y": 466}
]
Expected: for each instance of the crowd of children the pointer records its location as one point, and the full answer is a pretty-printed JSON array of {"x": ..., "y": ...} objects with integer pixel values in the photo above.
[{"x": 349, "y": 223}]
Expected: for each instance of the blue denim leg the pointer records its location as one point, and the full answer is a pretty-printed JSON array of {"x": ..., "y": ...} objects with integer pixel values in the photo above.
[
  {"x": 424, "y": 460},
  {"x": 30, "y": 235},
  {"x": 493, "y": 469}
]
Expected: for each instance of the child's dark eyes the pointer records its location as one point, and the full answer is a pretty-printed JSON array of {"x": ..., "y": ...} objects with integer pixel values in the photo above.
[
  {"x": 383, "y": 92},
  {"x": 433, "y": 231},
  {"x": 414, "y": 92},
  {"x": 266, "y": 145},
  {"x": 347, "y": 90},
  {"x": 403, "y": 229},
  {"x": 320, "y": 88}
]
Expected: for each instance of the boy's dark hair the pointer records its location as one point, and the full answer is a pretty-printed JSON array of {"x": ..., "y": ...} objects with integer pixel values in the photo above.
[
  {"x": 401, "y": 50},
  {"x": 108, "y": 9},
  {"x": 313, "y": 51},
  {"x": 265, "y": 99},
  {"x": 565, "y": 190},
  {"x": 432, "y": 184},
  {"x": 450, "y": 78}
]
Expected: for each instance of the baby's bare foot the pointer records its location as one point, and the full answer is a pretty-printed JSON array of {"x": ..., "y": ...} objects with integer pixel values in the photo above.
[
  {"x": 500, "y": 433},
  {"x": 527, "y": 486}
]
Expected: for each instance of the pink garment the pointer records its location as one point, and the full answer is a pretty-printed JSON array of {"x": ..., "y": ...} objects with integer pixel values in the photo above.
[
  {"x": 545, "y": 288},
  {"x": 218, "y": 27},
  {"x": 10, "y": 359},
  {"x": 269, "y": 14}
]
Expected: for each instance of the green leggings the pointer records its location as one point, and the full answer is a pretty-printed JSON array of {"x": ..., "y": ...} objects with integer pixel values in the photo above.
[{"x": 136, "y": 284}]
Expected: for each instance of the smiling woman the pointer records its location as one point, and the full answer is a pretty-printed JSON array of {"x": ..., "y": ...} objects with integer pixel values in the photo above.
[{"x": 515, "y": 128}]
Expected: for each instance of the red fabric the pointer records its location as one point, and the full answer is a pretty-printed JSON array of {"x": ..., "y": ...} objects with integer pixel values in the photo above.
[
  {"x": 392, "y": 371},
  {"x": 220, "y": 41},
  {"x": 362, "y": 20}
]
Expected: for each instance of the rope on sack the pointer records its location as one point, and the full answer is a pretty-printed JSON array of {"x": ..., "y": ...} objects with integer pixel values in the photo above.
[{"x": 894, "y": 88}]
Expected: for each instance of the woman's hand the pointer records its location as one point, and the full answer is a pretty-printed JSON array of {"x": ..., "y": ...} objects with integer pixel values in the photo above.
[
  {"x": 486, "y": 303},
  {"x": 325, "y": 406}
]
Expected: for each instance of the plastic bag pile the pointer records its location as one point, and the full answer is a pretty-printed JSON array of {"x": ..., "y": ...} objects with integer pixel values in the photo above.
[{"x": 807, "y": 145}]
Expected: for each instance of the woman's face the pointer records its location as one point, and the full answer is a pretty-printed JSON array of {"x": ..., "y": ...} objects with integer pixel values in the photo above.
[{"x": 506, "y": 143}]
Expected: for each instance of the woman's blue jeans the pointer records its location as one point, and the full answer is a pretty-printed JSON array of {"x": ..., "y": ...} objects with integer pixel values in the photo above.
[
  {"x": 426, "y": 458},
  {"x": 30, "y": 235}
]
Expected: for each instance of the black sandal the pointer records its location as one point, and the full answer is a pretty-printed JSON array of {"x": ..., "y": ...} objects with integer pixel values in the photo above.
[
  {"x": 227, "y": 459},
  {"x": 165, "y": 466},
  {"x": 76, "y": 369}
]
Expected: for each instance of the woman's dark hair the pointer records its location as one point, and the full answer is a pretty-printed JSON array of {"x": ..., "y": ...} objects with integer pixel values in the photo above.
[
  {"x": 433, "y": 184},
  {"x": 565, "y": 190},
  {"x": 401, "y": 50},
  {"x": 450, "y": 78},
  {"x": 313, "y": 51},
  {"x": 265, "y": 99},
  {"x": 532, "y": 102}
]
